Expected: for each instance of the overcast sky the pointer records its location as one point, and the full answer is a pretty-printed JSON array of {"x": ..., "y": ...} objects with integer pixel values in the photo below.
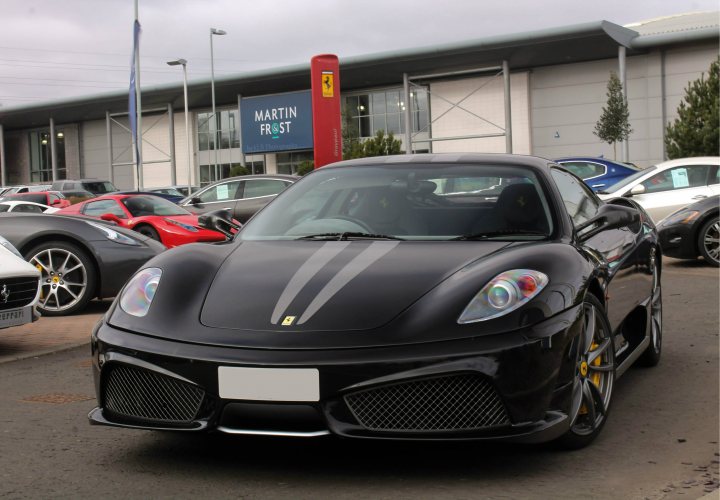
[{"x": 52, "y": 49}]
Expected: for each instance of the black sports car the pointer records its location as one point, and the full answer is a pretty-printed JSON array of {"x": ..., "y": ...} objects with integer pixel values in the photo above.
[
  {"x": 79, "y": 259},
  {"x": 693, "y": 231},
  {"x": 403, "y": 297}
]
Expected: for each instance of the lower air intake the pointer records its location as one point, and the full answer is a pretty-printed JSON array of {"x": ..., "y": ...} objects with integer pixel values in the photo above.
[
  {"x": 134, "y": 393},
  {"x": 463, "y": 402}
]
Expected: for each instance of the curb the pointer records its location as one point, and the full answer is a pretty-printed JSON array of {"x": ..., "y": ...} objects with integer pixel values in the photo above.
[{"x": 43, "y": 352}]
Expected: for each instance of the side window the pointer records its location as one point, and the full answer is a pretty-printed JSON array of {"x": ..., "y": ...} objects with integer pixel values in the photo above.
[
  {"x": 33, "y": 209},
  {"x": 221, "y": 192},
  {"x": 51, "y": 198},
  {"x": 715, "y": 176},
  {"x": 579, "y": 201},
  {"x": 583, "y": 169},
  {"x": 677, "y": 178},
  {"x": 263, "y": 187},
  {"x": 98, "y": 208}
]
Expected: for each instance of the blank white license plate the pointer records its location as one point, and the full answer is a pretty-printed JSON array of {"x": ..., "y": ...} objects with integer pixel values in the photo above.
[
  {"x": 15, "y": 317},
  {"x": 269, "y": 384}
]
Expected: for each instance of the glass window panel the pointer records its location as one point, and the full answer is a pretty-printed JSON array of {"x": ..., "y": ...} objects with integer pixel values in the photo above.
[
  {"x": 393, "y": 102},
  {"x": 363, "y": 105},
  {"x": 365, "y": 130},
  {"x": 378, "y": 102},
  {"x": 378, "y": 123},
  {"x": 351, "y": 105},
  {"x": 393, "y": 124}
]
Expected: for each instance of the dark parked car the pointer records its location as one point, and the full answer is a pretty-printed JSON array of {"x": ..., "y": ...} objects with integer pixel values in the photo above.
[
  {"x": 243, "y": 195},
  {"x": 598, "y": 173},
  {"x": 693, "y": 231},
  {"x": 369, "y": 301},
  {"x": 179, "y": 190},
  {"x": 94, "y": 186},
  {"x": 169, "y": 197},
  {"x": 53, "y": 199},
  {"x": 79, "y": 259}
]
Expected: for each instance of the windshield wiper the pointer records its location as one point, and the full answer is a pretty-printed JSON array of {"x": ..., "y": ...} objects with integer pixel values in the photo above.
[
  {"x": 602, "y": 192},
  {"x": 504, "y": 232},
  {"x": 349, "y": 235}
]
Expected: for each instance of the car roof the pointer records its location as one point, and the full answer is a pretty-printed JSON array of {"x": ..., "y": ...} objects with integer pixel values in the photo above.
[
  {"x": 423, "y": 158},
  {"x": 697, "y": 160}
]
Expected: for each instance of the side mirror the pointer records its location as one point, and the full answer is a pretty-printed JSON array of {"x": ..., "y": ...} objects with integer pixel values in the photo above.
[
  {"x": 111, "y": 218},
  {"x": 195, "y": 201},
  {"x": 55, "y": 202},
  {"x": 639, "y": 189},
  {"x": 220, "y": 221},
  {"x": 608, "y": 217}
]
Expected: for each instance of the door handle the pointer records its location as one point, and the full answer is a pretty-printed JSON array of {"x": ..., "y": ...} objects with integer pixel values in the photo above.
[{"x": 699, "y": 197}]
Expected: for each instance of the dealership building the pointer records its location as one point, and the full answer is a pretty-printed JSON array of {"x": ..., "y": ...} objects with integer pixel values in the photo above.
[{"x": 538, "y": 93}]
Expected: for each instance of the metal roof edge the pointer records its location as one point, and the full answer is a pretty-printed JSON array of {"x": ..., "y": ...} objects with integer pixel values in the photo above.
[{"x": 676, "y": 37}]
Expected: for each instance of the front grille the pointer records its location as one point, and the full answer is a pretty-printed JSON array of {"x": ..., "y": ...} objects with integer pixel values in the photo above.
[
  {"x": 17, "y": 292},
  {"x": 462, "y": 402},
  {"x": 134, "y": 393}
]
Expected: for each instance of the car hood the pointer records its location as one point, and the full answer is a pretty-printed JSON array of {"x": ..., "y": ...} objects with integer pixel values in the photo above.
[{"x": 334, "y": 285}]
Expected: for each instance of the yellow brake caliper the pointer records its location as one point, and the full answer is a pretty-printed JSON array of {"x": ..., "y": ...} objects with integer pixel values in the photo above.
[{"x": 595, "y": 378}]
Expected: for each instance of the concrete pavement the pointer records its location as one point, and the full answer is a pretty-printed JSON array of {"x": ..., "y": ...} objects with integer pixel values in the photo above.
[{"x": 50, "y": 334}]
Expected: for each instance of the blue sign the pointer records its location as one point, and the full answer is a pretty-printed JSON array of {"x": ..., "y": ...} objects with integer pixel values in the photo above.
[{"x": 280, "y": 122}]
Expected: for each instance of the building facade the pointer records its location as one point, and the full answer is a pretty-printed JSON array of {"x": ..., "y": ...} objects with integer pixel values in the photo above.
[{"x": 537, "y": 93}]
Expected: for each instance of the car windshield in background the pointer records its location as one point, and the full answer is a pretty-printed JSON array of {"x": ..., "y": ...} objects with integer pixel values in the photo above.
[
  {"x": 627, "y": 180},
  {"x": 408, "y": 202},
  {"x": 142, "y": 206},
  {"x": 99, "y": 187}
]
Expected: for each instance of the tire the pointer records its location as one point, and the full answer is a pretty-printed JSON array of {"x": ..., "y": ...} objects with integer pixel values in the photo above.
[
  {"x": 148, "y": 231},
  {"x": 651, "y": 356},
  {"x": 594, "y": 377},
  {"x": 68, "y": 277},
  {"x": 709, "y": 242}
]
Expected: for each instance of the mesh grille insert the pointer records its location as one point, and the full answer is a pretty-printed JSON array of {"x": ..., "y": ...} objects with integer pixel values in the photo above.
[
  {"x": 449, "y": 403},
  {"x": 136, "y": 393}
]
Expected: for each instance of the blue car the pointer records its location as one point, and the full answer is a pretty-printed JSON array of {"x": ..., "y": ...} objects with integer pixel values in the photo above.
[{"x": 598, "y": 173}]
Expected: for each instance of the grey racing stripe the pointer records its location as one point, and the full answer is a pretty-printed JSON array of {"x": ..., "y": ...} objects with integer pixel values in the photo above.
[
  {"x": 366, "y": 258},
  {"x": 310, "y": 268}
]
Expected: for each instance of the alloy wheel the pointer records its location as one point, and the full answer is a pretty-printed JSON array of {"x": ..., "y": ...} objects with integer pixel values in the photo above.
[
  {"x": 594, "y": 373},
  {"x": 711, "y": 241},
  {"x": 64, "y": 279}
]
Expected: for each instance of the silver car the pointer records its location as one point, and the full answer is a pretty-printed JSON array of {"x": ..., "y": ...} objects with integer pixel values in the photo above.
[{"x": 666, "y": 187}]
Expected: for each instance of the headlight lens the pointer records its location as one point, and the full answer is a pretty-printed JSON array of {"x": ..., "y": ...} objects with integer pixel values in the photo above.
[
  {"x": 504, "y": 293},
  {"x": 10, "y": 247},
  {"x": 138, "y": 294},
  {"x": 113, "y": 235},
  {"x": 681, "y": 217},
  {"x": 186, "y": 227}
]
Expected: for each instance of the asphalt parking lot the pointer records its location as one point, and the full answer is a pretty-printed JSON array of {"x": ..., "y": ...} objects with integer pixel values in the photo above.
[{"x": 661, "y": 440}]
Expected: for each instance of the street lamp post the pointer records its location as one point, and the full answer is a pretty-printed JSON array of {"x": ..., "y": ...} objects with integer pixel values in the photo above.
[
  {"x": 214, "y": 31},
  {"x": 183, "y": 63}
]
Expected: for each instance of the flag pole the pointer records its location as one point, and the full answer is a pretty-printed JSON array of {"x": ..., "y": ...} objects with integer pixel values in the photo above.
[{"x": 138, "y": 147}]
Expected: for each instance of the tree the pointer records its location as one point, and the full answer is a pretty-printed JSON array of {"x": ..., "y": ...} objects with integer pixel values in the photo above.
[
  {"x": 238, "y": 170},
  {"x": 613, "y": 125},
  {"x": 354, "y": 147},
  {"x": 696, "y": 130},
  {"x": 305, "y": 167}
]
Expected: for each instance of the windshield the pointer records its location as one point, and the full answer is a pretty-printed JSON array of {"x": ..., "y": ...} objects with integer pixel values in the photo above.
[
  {"x": 627, "y": 180},
  {"x": 99, "y": 187},
  {"x": 409, "y": 202},
  {"x": 141, "y": 206}
]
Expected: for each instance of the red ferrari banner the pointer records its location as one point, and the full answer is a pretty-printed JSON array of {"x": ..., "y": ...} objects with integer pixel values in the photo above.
[{"x": 325, "y": 85}]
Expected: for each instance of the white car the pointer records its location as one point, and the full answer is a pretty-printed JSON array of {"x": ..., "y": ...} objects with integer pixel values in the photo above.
[
  {"x": 669, "y": 186},
  {"x": 26, "y": 207},
  {"x": 19, "y": 287}
]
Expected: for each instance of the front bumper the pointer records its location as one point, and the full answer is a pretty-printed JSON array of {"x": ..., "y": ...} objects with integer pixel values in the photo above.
[
  {"x": 678, "y": 241},
  {"x": 514, "y": 386}
]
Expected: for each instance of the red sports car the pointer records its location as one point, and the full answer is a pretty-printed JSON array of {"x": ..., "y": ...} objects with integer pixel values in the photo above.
[
  {"x": 149, "y": 215},
  {"x": 53, "y": 199}
]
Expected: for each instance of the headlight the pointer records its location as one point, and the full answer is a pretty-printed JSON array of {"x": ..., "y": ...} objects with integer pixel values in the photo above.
[
  {"x": 113, "y": 235},
  {"x": 139, "y": 292},
  {"x": 680, "y": 217},
  {"x": 504, "y": 293},
  {"x": 186, "y": 227}
]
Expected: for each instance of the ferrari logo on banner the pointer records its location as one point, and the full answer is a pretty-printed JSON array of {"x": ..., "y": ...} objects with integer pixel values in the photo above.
[{"x": 327, "y": 84}]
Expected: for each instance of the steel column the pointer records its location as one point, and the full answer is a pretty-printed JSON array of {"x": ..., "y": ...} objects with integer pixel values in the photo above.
[
  {"x": 625, "y": 146},
  {"x": 108, "y": 126},
  {"x": 407, "y": 114},
  {"x": 53, "y": 151},
  {"x": 3, "y": 171},
  {"x": 171, "y": 138},
  {"x": 508, "y": 110}
]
